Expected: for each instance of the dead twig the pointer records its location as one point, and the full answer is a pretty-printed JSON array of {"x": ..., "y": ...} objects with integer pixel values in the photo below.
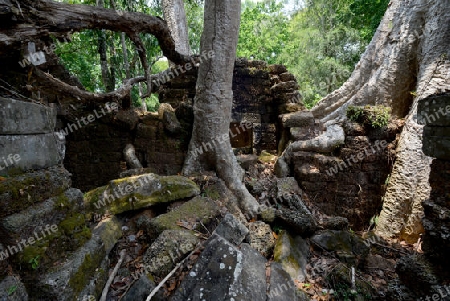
[
  {"x": 390, "y": 248},
  {"x": 113, "y": 274},
  {"x": 153, "y": 293}
]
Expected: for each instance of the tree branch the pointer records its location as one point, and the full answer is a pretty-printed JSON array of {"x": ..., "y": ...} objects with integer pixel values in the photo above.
[{"x": 45, "y": 17}]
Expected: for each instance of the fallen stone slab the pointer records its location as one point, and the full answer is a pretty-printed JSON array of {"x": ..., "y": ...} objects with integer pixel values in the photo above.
[
  {"x": 30, "y": 152},
  {"x": 292, "y": 253},
  {"x": 167, "y": 250},
  {"x": 282, "y": 287},
  {"x": 70, "y": 280},
  {"x": 232, "y": 230},
  {"x": 138, "y": 192},
  {"x": 349, "y": 248},
  {"x": 20, "y": 192},
  {"x": 50, "y": 212},
  {"x": 224, "y": 272},
  {"x": 20, "y": 117},
  {"x": 197, "y": 210},
  {"x": 140, "y": 290}
]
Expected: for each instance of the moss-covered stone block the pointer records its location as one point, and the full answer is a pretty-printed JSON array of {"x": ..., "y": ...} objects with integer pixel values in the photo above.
[
  {"x": 197, "y": 210},
  {"x": 138, "y": 192},
  {"x": 167, "y": 250},
  {"x": 20, "y": 192},
  {"x": 292, "y": 254},
  {"x": 350, "y": 248},
  {"x": 50, "y": 212},
  {"x": 71, "y": 234},
  {"x": 71, "y": 279}
]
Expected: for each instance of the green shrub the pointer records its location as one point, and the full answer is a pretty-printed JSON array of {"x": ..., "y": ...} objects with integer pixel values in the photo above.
[
  {"x": 354, "y": 113},
  {"x": 373, "y": 116}
]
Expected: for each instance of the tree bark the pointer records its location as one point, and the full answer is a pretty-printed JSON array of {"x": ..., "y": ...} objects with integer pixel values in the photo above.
[
  {"x": 210, "y": 147},
  {"x": 45, "y": 17},
  {"x": 175, "y": 16},
  {"x": 107, "y": 77},
  {"x": 409, "y": 52}
]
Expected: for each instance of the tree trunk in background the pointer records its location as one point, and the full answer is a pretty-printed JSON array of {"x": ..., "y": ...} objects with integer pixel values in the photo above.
[
  {"x": 409, "y": 52},
  {"x": 210, "y": 147},
  {"x": 175, "y": 16},
  {"x": 107, "y": 77}
]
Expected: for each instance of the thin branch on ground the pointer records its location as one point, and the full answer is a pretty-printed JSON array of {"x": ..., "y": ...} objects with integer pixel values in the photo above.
[
  {"x": 113, "y": 274},
  {"x": 153, "y": 293}
]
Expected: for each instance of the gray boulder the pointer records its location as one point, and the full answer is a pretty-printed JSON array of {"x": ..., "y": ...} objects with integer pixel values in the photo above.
[
  {"x": 140, "y": 290},
  {"x": 232, "y": 230},
  {"x": 167, "y": 250},
  {"x": 349, "y": 248},
  {"x": 12, "y": 289},
  {"x": 292, "y": 254},
  {"x": 224, "y": 272}
]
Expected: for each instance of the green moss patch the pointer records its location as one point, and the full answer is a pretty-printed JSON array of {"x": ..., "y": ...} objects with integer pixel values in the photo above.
[
  {"x": 197, "y": 209},
  {"x": 266, "y": 157},
  {"x": 72, "y": 233},
  {"x": 88, "y": 267},
  {"x": 21, "y": 192},
  {"x": 138, "y": 192}
]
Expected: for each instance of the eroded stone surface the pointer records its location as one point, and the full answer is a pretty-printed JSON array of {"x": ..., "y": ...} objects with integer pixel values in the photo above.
[
  {"x": 138, "y": 192},
  {"x": 261, "y": 237},
  {"x": 292, "y": 253},
  {"x": 167, "y": 250},
  {"x": 224, "y": 272},
  {"x": 12, "y": 289},
  {"x": 232, "y": 230},
  {"x": 197, "y": 209}
]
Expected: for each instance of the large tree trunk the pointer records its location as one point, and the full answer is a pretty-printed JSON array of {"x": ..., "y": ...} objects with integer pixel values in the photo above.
[
  {"x": 175, "y": 16},
  {"x": 210, "y": 147},
  {"x": 409, "y": 52}
]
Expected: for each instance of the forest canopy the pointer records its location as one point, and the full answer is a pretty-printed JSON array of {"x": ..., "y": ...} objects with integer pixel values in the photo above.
[{"x": 319, "y": 41}]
